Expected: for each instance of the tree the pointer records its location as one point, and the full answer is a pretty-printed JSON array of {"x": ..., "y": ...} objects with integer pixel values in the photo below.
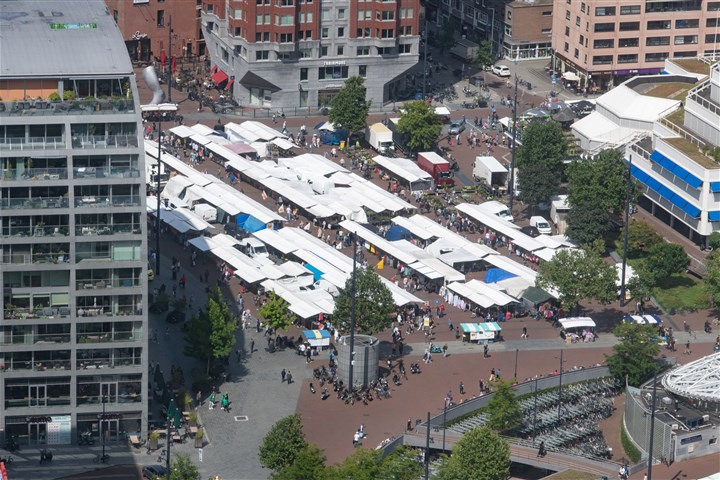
[
  {"x": 579, "y": 275},
  {"x": 504, "y": 409},
  {"x": 420, "y": 124},
  {"x": 666, "y": 259},
  {"x": 600, "y": 180},
  {"x": 374, "y": 304},
  {"x": 309, "y": 464},
  {"x": 712, "y": 277},
  {"x": 483, "y": 57},
  {"x": 275, "y": 311},
  {"x": 363, "y": 464},
  {"x": 446, "y": 37},
  {"x": 713, "y": 240},
  {"x": 182, "y": 468},
  {"x": 282, "y": 444},
  {"x": 197, "y": 338},
  {"x": 540, "y": 161},
  {"x": 586, "y": 222},
  {"x": 641, "y": 237},
  {"x": 400, "y": 464},
  {"x": 222, "y": 337},
  {"x": 349, "y": 108},
  {"x": 634, "y": 354},
  {"x": 479, "y": 455}
]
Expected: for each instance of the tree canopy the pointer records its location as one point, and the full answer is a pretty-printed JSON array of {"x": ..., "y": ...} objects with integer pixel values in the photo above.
[
  {"x": 634, "y": 356},
  {"x": 374, "y": 304},
  {"x": 712, "y": 277},
  {"x": 223, "y": 325},
  {"x": 587, "y": 222},
  {"x": 483, "y": 57},
  {"x": 579, "y": 275},
  {"x": 666, "y": 259},
  {"x": 275, "y": 312},
  {"x": 182, "y": 468},
  {"x": 540, "y": 161},
  {"x": 420, "y": 124},
  {"x": 349, "y": 108},
  {"x": 283, "y": 443},
  {"x": 446, "y": 36},
  {"x": 479, "y": 455},
  {"x": 503, "y": 409},
  {"x": 641, "y": 238},
  {"x": 600, "y": 180},
  {"x": 309, "y": 464}
]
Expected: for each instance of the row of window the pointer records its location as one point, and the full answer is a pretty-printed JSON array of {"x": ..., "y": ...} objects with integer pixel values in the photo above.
[
  {"x": 633, "y": 58},
  {"x": 325, "y": 33},
  {"x": 653, "y": 41},
  {"x": 650, "y": 7},
  {"x": 261, "y": 55}
]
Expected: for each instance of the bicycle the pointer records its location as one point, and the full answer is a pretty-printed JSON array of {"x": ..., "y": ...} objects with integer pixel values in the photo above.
[{"x": 101, "y": 458}]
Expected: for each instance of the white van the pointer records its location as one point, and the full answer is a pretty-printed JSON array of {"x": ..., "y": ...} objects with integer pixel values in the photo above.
[
  {"x": 493, "y": 207},
  {"x": 252, "y": 247},
  {"x": 542, "y": 225}
]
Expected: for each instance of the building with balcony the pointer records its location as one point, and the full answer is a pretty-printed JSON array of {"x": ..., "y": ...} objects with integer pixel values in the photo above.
[
  {"x": 298, "y": 53},
  {"x": 144, "y": 26},
  {"x": 73, "y": 331},
  {"x": 605, "y": 42}
]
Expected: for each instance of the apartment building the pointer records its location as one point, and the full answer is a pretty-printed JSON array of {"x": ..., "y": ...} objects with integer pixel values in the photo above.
[
  {"x": 73, "y": 331},
  {"x": 676, "y": 167},
  {"x": 144, "y": 25},
  {"x": 528, "y": 30},
  {"x": 608, "y": 41},
  {"x": 297, "y": 53}
]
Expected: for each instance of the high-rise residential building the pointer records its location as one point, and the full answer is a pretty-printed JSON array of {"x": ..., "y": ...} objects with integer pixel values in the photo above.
[
  {"x": 608, "y": 41},
  {"x": 73, "y": 331},
  {"x": 145, "y": 25},
  {"x": 298, "y": 53}
]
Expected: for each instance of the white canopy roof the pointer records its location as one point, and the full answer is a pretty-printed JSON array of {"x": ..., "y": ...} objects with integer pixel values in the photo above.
[
  {"x": 492, "y": 164},
  {"x": 698, "y": 380},
  {"x": 283, "y": 144},
  {"x": 182, "y": 131},
  {"x": 626, "y": 103},
  {"x": 378, "y": 241},
  {"x": 413, "y": 227},
  {"x": 577, "y": 322},
  {"x": 442, "y": 111},
  {"x": 403, "y": 168},
  {"x": 275, "y": 240},
  {"x": 203, "y": 129}
]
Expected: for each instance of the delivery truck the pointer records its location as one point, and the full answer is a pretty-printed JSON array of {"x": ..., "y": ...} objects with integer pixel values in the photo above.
[
  {"x": 489, "y": 170},
  {"x": 436, "y": 166},
  {"x": 465, "y": 50},
  {"x": 380, "y": 138}
]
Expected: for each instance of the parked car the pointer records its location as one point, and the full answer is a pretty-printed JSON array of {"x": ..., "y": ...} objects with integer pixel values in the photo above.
[
  {"x": 530, "y": 231},
  {"x": 501, "y": 70},
  {"x": 154, "y": 472},
  {"x": 542, "y": 225},
  {"x": 458, "y": 126}
]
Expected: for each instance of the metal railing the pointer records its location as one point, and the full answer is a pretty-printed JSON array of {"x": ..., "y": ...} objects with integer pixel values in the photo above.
[
  {"x": 100, "y": 201},
  {"x": 32, "y": 338},
  {"x": 31, "y": 143},
  {"x": 109, "y": 311},
  {"x": 21, "y": 313},
  {"x": 31, "y": 258},
  {"x": 106, "y": 337},
  {"x": 35, "y": 174},
  {"x": 37, "y": 365},
  {"x": 104, "y": 283},
  {"x": 80, "y": 173},
  {"x": 37, "y": 231},
  {"x": 104, "y": 229},
  {"x": 31, "y": 203},
  {"x": 105, "y": 141},
  {"x": 68, "y": 107}
]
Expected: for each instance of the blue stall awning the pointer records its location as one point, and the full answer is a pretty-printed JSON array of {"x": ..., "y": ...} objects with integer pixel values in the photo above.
[{"x": 676, "y": 169}]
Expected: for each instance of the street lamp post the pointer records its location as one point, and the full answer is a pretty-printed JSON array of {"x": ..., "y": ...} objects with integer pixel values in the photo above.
[
  {"x": 625, "y": 238},
  {"x": 444, "y": 425},
  {"x": 511, "y": 186},
  {"x": 492, "y": 33},
  {"x": 516, "y": 363},
  {"x": 425, "y": 53},
  {"x": 352, "y": 313},
  {"x": 427, "y": 448},
  {"x": 535, "y": 413},
  {"x": 652, "y": 427},
  {"x": 170, "y": 72},
  {"x": 157, "y": 212}
]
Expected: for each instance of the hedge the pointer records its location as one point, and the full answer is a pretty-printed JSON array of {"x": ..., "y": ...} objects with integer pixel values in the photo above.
[{"x": 630, "y": 449}]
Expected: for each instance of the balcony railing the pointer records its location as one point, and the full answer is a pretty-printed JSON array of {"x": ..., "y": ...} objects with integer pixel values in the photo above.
[
  {"x": 37, "y": 402},
  {"x": 32, "y": 143},
  {"x": 32, "y": 258},
  {"x": 696, "y": 95},
  {"x": 116, "y": 311},
  {"x": 35, "y": 174},
  {"x": 45, "y": 231},
  {"x": 20, "y": 313},
  {"x": 98, "y": 229},
  {"x": 31, "y": 203},
  {"x": 120, "y": 398},
  {"x": 80, "y": 173},
  {"x": 40, "y": 366},
  {"x": 34, "y": 338},
  {"x": 109, "y": 362},
  {"x": 105, "y": 141},
  {"x": 74, "y": 107},
  {"x": 104, "y": 283},
  {"x": 105, "y": 201},
  {"x": 99, "y": 337}
]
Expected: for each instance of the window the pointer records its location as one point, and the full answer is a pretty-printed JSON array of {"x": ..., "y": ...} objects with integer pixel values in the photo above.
[
  {"x": 325, "y": 14},
  {"x": 306, "y": 53},
  {"x": 692, "y": 53},
  {"x": 161, "y": 18},
  {"x": 405, "y": 30},
  {"x": 341, "y": 14},
  {"x": 628, "y": 42},
  {"x": 323, "y": 51},
  {"x": 630, "y": 10},
  {"x": 362, "y": 70},
  {"x": 656, "y": 57},
  {"x": 406, "y": 13},
  {"x": 686, "y": 39},
  {"x": 306, "y": 17},
  {"x": 387, "y": 33},
  {"x": 577, "y": 53},
  {"x": 582, "y": 7},
  {"x": 629, "y": 26},
  {"x": 238, "y": 32},
  {"x": 262, "y": 55},
  {"x": 694, "y": 23},
  {"x": 566, "y": 48},
  {"x": 385, "y": 51},
  {"x": 341, "y": 32},
  {"x": 713, "y": 6},
  {"x": 303, "y": 74},
  {"x": 602, "y": 59},
  {"x": 363, "y": 51},
  {"x": 324, "y": 32},
  {"x": 547, "y": 13},
  {"x": 225, "y": 54},
  {"x": 386, "y": 15},
  {"x": 657, "y": 41},
  {"x": 577, "y": 21},
  {"x": 658, "y": 24},
  {"x": 609, "y": 43},
  {"x": 546, "y": 31},
  {"x": 287, "y": 19},
  {"x": 604, "y": 27},
  {"x": 286, "y": 38},
  {"x": 604, "y": 11},
  {"x": 582, "y": 40},
  {"x": 567, "y": 14},
  {"x": 361, "y": 15},
  {"x": 115, "y": 15},
  {"x": 262, "y": 36},
  {"x": 286, "y": 3},
  {"x": 332, "y": 73},
  {"x": 628, "y": 58},
  {"x": 712, "y": 22},
  {"x": 567, "y": 31},
  {"x": 340, "y": 50},
  {"x": 712, "y": 38},
  {"x": 403, "y": 48},
  {"x": 363, "y": 32}
]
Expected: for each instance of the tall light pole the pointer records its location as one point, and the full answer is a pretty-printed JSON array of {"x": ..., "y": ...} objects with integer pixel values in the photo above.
[
  {"x": 427, "y": 448},
  {"x": 425, "y": 53},
  {"x": 516, "y": 362},
  {"x": 625, "y": 238},
  {"x": 511, "y": 186},
  {"x": 170, "y": 72},
  {"x": 492, "y": 33},
  {"x": 352, "y": 313},
  {"x": 157, "y": 212},
  {"x": 444, "y": 422},
  {"x": 652, "y": 427},
  {"x": 535, "y": 413}
]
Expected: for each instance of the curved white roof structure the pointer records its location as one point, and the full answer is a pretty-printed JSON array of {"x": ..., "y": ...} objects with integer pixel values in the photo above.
[{"x": 699, "y": 379}]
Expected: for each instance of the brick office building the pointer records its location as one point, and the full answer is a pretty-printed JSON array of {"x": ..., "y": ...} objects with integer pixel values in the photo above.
[{"x": 297, "y": 53}]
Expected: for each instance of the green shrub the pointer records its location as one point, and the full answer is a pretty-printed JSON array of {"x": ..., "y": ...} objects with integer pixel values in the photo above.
[
  {"x": 631, "y": 450},
  {"x": 54, "y": 97},
  {"x": 69, "y": 95}
]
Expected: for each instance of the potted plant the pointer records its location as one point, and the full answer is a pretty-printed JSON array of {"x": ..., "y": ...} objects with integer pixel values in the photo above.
[
  {"x": 199, "y": 438},
  {"x": 153, "y": 440},
  {"x": 187, "y": 401},
  {"x": 69, "y": 95},
  {"x": 54, "y": 97},
  {"x": 192, "y": 418}
]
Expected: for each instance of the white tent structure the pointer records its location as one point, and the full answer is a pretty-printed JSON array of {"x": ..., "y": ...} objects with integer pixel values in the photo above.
[
  {"x": 406, "y": 171},
  {"x": 699, "y": 380}
]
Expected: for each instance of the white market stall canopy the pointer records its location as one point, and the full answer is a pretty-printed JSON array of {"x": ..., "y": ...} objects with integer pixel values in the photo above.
[
  {"x": 577, "y": 322},
  {"x": 643, "y": 319},
  {"x": 407, "y": 170}
]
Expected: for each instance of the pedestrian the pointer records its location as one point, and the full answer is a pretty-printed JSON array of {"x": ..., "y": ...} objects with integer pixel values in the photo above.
[
  {"x": 289, "y": 377},
  {"x": 481, "y": 384},
  {"x": 445, "y": 350},
  {"x": 252, "y": 346},
  {"x": 687, "y": 348},
  {"x": 450, "y": 325},
  {"x": 356, "y": 439},
  {"x": 198, "y": 398},
  {"x": 174, "y": 290},
  {"x": 409, "y": 426},
  {"x": 524, "y": 333},
  {"x": 308, "y": 353},
  {"x": 283, "y": 374},
  {"x": 485, "y": 350},
  {"x": 211, "y": 401},
  {"x": 462, "y": 388},
  {"x": 183, "y": 280},
  {"x": 238, "y": 355},
  {"x": 492, "y": 375}
]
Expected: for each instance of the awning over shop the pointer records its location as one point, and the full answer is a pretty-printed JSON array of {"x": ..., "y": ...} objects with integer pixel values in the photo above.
[
  {"x": 229, "y": 85},
  {"x": 577, "y": 322},
  {"x": 643, "y": 319},
  {"x": 282, "y": 143},
  {"x": 251, "y": 79},
  {"x": 480, "y": 327},
  {"x": 317, "y": 338},
  {"x": 219, "y": 77}
]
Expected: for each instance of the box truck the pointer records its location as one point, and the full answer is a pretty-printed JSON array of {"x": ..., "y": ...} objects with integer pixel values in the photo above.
[
  {"x": 380, "y": 138},
  {"x": 436, "y": 166},
  {"x": 465, "y": 50},
  {"x": 491, "y": 171}
]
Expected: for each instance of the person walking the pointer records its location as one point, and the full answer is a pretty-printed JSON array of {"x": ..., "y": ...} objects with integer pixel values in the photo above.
[
  {"x": 238, "y": 355},
  {"x": 283, "y": 375},
  {"x": 485, "y": 350},
  {"x": 462, "y": 388},
  {"x": 211, "y": 401},
  {"x": 289, "y": 377},
  {"x": 687, "y": 348},
  {"x": 524, "y": 333},
  {"x": 252, "y": 346},
  {"x": 445, "y": 350}
]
